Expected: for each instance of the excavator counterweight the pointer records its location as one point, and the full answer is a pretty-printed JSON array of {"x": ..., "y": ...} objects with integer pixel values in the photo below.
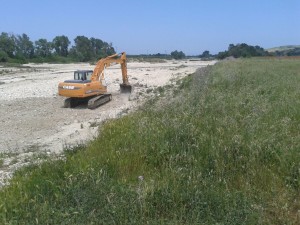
[{"x": 87, "y": 84}]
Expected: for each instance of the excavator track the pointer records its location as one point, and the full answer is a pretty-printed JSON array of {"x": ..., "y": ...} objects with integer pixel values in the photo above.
[
  {"x": 99, "y": 100},
  {"x": 71, "y": 103}
]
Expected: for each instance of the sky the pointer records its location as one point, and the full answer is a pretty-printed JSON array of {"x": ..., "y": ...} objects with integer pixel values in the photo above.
[{"x": 158, "y": 26}]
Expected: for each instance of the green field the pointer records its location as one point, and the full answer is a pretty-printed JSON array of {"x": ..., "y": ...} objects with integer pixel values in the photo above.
[{"x": 221, "y": 148}]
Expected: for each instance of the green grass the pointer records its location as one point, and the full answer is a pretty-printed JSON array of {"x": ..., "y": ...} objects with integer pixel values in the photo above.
[{"x": 224, "y": 150}]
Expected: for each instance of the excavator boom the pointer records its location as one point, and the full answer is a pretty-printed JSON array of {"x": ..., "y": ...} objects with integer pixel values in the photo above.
[{"x": 98, "y": 73}]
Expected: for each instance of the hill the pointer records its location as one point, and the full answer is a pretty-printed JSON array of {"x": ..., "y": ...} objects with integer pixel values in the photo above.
[
  {"x": 283, "y": 48},
  {"x": 289, "y": 50}
]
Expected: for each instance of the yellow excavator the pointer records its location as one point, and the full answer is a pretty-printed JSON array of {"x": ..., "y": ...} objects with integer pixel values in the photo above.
[{"x": 88, "y": 84}]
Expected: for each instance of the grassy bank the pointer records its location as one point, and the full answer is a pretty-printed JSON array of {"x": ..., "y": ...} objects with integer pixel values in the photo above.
[{"x": 224, "y": 150}]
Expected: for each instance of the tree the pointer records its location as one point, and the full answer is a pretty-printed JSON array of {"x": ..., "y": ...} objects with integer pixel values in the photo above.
[
  {"x": 108, "y": 49},
  {"x": 43, "y": 48},
  {"x": 24, "y": 46},
  {"x": 97, "y": 48},
  {"x": 230, "y": 47},
  {"x": 61, "y": 45},
  {"x": 8, "y": 44},
  {"x": 83, "y": 48},
  {"x": 222, "y": 55},
  {"x": 86, "y": 49},
  {"x": 205, "y": 54},
  {"x": 177, "y": 55},
  {"x": 3, "y": 56}
]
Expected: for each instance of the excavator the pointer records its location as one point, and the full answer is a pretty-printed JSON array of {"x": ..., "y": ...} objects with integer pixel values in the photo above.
[{"x": 88, "y": 85}]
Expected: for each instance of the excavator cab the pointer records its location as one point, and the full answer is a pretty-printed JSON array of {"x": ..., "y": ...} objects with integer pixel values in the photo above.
[{"x": 83, "y": 75}]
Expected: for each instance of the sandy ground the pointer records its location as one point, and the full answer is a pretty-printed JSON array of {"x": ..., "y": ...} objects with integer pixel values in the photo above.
[{"x": 33, "y": 121}]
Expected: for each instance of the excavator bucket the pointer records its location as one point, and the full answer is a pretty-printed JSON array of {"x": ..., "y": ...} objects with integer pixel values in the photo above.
[{"x": 125, "y": 88}]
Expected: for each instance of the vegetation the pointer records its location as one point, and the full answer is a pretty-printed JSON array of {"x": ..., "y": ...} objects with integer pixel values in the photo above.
[
  {"x": 294, "y": 52},
  {"x": 205, "y": 54},
  {"x": 177, "y": 54},
  {"x": 61, "y": 44},
  {"x": 152, "y": 58},
  {"x": 224, "y": 150},
  {"x": 146, "y": 59},
  {"x": 20, "y": 49},
  {"x": 242, "y": 50},
  {"x": 283, "y": 48},
  {"x": 289, "y": 50}
]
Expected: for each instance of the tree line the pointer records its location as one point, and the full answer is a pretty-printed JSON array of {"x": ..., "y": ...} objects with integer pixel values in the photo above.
[
  {"x": 19, "y": 48},
  {"x": 237, "y": 51},
  {"x": 242, "y": 50}
]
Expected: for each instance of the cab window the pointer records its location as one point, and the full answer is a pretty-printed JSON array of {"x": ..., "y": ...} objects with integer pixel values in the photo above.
[
  {"x": 89, "y": 75},
  {"x": 79, "y": 76}
]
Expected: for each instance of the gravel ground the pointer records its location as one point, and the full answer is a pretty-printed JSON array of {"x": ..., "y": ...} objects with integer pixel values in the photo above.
[{"x": 34, "y": 124}]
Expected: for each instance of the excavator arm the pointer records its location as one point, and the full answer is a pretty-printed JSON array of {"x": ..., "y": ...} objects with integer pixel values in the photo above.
[{"x": 98, "y": 73}]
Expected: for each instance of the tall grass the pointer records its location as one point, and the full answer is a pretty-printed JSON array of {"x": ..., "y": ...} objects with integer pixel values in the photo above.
[{"x": 224, "y": 150}]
